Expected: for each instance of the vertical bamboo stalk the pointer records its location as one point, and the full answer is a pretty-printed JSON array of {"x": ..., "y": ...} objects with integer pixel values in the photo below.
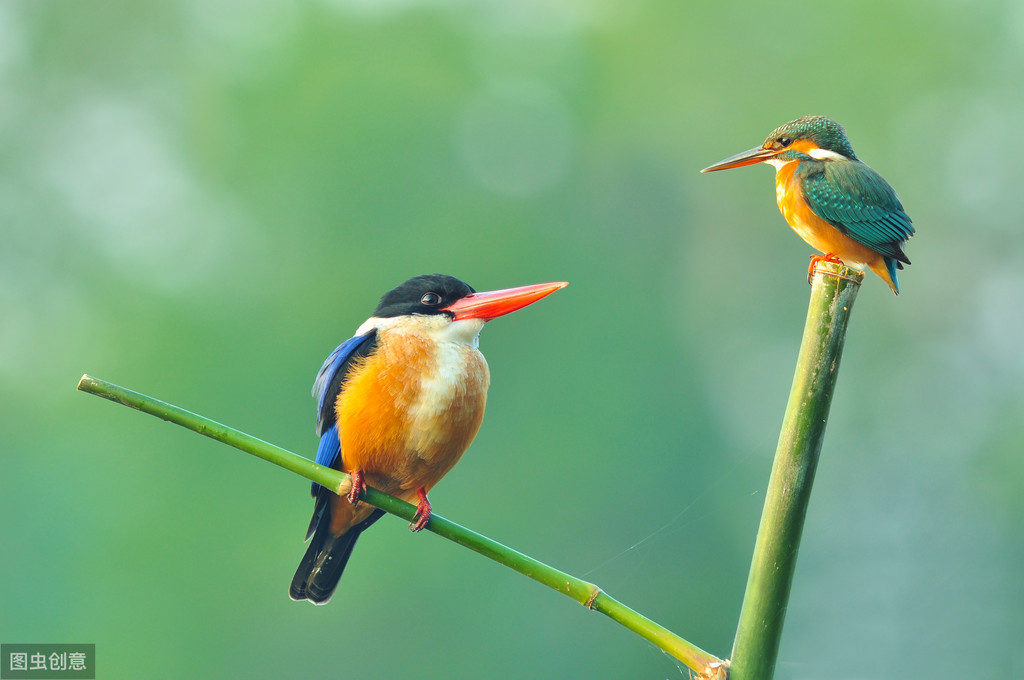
[{"x": 756, "y": 646}]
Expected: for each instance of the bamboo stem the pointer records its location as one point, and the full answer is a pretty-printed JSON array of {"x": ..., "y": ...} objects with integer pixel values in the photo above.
[
  {"x": 756, "y": 646},
  {"x": 704, "y": 664}
]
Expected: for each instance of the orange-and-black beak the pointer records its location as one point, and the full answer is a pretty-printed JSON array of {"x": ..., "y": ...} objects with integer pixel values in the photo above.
[
  {"x": 495, "y": 303},
  {"x": 756, "y": 155}
]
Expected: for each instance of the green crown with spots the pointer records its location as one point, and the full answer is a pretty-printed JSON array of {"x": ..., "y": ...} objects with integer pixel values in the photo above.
[{"x": 824, "y": 132}]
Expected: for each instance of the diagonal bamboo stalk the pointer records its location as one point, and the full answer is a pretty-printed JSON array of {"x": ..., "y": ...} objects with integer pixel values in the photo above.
[
  {"x": 589, "y": 595},
  {"x": 756, "y": 646}
]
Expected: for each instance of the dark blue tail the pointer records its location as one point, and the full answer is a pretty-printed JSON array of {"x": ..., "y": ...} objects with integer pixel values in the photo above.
[{"x": 325, "y": 559}]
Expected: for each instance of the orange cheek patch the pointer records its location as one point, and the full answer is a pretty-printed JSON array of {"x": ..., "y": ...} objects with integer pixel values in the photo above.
[{"x": 803, "y": 146}]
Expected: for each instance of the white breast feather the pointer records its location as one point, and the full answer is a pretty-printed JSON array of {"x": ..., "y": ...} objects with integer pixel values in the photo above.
[{"x": 458, "y": 369}]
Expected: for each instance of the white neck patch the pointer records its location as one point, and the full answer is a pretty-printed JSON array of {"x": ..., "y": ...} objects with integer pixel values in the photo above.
[{"x": 826, "y": 155}]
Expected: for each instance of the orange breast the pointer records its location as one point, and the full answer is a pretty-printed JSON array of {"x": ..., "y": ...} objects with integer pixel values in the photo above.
[{"x": 410, "y": 410}]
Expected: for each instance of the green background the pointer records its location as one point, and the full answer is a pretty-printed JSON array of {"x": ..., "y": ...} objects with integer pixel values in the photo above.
[{"x": 199, "y": 200}]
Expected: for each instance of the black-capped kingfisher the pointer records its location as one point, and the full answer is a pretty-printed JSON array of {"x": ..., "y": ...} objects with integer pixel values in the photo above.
[
  {"x": 831, "y": 199},
  {"x": 397, "y": 406}
]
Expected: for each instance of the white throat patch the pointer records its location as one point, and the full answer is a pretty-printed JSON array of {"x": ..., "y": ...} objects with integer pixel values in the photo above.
[
  {"x": 440, "y": 327},
  {"x": 778, "y": 163}
]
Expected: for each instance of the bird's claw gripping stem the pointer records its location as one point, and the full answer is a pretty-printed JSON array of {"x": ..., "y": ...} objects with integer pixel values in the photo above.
[
  {"x": 358, "y": 487},
  {"x": 815, "y": 259},
  {"x": 422, "y": 515}
]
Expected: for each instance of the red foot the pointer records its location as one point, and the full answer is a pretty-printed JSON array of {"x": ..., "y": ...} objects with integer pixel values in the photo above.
[
  {"x": 815, "y": 259},
  {"x": 422, "y": 515},
  {"x": 358, "y": 487}
]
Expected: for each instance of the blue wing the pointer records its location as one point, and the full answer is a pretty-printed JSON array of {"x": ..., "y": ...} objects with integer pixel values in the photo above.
[
  {"x": 326, "y": 389},
  {"x": 859, "y": 202},
  {"x": 332, "y": 373},
  {"x": 330, "y": 447}
]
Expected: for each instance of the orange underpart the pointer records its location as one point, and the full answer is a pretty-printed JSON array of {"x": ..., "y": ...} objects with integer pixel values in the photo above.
[{"x": 391, "y": 427}]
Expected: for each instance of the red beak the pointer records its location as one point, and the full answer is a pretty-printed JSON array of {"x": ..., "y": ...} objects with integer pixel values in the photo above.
[
  {"x": 756, "y": 155},
  {"x": 495, "y": 303}
]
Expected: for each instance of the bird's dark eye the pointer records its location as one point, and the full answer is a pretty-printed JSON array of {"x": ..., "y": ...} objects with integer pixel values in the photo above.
[
  {"x": 785, "y": 141},
  {"x": 430, "y": 299}
]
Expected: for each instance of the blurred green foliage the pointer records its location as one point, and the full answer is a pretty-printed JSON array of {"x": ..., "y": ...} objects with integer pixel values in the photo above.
[{"x": 201, "y": 199}]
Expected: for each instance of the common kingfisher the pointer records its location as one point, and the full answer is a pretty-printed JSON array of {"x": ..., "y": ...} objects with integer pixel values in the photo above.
[
  {"x": 831, "y": 199},
  {"x": 397, "y": 406}
]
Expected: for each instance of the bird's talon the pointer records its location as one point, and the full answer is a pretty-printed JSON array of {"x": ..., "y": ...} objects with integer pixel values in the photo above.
[
  {"x": 358, "y": 487},
  {"x": 815, "y": 259},
  {"x": 422, "y": 516}
]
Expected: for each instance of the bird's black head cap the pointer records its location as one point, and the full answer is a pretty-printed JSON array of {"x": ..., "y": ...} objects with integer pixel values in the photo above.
[{"x": 425, "y": 294}]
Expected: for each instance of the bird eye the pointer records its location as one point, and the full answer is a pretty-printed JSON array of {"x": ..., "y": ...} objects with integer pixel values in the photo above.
[
  {"x": 430, "y": 299},
  {"x": 785, "y": 141}
]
